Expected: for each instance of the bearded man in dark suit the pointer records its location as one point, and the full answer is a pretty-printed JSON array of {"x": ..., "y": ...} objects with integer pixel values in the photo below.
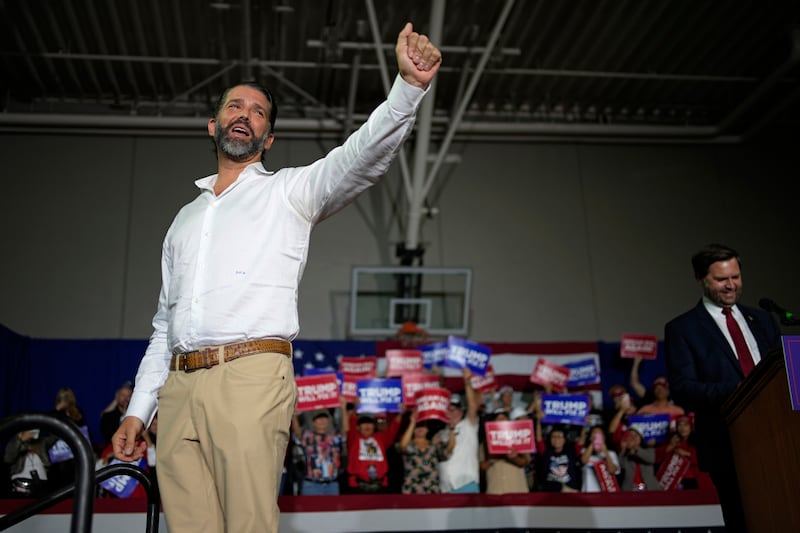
[{"x": 707, "y": 358}]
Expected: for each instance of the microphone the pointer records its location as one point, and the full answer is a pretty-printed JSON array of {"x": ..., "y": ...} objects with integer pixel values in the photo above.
[{"x": 787, "y": 318}]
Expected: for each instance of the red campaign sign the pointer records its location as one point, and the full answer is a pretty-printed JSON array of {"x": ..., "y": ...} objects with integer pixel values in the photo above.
[
  {"x": 362, "y": 366},
  {"x": 607, "y": 480},
  {"x": 317, "y": 392},
  {"x": 401, "y": 362},
  {"x": 349, "y": 385},
  {"x": 432, "y": 404},
  {"x": 484, "y": 383},
  {"x": 413, "y": 383},
  {"x": 547, "y": 373},
  {"x": 636, "y": 345},
  {"x": 503, "y": 437},
  {"x": 671, "y": 472}
]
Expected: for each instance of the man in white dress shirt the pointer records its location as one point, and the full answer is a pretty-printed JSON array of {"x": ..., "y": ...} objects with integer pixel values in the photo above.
[{"x": 218, "y": 366}]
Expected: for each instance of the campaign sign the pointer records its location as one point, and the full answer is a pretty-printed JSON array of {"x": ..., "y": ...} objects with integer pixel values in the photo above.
[
  {"x": 484, "y": 383},
  {"x": 547, "y": 373},
  {"x": 607, "y": 480},
  {"x": 434, "y": 354},
  {"x": 401, "y": 362},
  {"x": 349, "y": 388},
  {"x": 510, "y": 435},
  {"x": 791, "y": 352},
  {"x": 432, "y": 404},
  {"x": 584, "y": 372},
  {"x": 413, "y": 383},
  {"x": 651, "y": 426},
  {"x": 123, "y": 486},
  {"x": 60, "y": 450},
  {"x": 636, "y": 345},
  {"x": 565, "y": 408},
  {"x": 463, "y": 353},
  {"x": 382, "y": 395},
  {"x": 671, "y": 472},
  {"x": 363, "y": 366},
  {"x": 317, "y": 392}
]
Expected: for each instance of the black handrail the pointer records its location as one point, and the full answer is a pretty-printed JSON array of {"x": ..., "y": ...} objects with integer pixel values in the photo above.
[
  {"x": 86, "y": 478},
  {"x": 150, "y": 487},
  {"x": 84, "y": 465}
]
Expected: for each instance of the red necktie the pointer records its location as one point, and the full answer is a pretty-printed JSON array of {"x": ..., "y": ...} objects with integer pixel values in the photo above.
[{"x": 742, "y": 351}]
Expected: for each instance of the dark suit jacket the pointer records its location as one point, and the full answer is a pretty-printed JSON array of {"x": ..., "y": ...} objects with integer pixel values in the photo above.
[{"x": 703, "y": 371}]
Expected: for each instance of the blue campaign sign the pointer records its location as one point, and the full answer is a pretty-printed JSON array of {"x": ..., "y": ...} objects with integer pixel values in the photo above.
[
  {"x": 379, "y": 395},
  {"x": 791, "y": 353},
  {"x": 565, "y": 408},
  {"x": 60, "y": 450},
  {"x": 650, "y": 426},
  {"x": 122, "y": 486},
  {"x": 583, "y": 372},
  {"x": 434, "y": 354},
  {"x": 464, "y": 353}
]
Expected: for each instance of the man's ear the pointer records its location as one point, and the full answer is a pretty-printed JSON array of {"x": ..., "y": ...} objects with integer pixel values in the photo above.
[
  {"x": 268, "y": 142},
  {"x": 212, "y": 123}
]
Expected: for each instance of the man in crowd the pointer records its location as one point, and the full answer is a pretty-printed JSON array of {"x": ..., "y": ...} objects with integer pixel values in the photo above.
[
  {"x": 461, "y": 472},
  {"x": 710, "y": 349},
  {"x": 218, "y": 366}
]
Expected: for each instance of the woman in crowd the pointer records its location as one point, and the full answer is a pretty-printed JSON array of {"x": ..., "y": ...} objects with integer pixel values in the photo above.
[
  {"x": 421, "y": 457},
  {"x": 596, "y": 451}
]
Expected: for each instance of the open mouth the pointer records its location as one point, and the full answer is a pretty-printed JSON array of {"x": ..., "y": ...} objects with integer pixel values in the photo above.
[{"x": 239, "y": 130}]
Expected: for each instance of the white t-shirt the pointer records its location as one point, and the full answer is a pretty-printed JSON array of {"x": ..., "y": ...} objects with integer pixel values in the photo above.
[
  {"x": 462, "y": 467},
  {"x": 590, "y": 483}
]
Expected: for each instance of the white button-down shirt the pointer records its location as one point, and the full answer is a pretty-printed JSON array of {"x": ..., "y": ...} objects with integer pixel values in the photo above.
[{"x": 231, "y": 264}]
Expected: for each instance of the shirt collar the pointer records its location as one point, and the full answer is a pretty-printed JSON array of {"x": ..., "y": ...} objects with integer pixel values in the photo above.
[
  {"x": 716, "y": 310},
  {"x": 208, "y": 182}
]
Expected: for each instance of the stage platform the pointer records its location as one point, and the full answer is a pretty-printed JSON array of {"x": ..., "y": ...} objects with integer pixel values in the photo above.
[{"x": 654, "y": 512}]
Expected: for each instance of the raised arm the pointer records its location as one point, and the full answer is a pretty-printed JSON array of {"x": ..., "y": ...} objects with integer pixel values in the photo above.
[
  {"x": 473, "y": 398},
  {"x": 636, "y": 384}
]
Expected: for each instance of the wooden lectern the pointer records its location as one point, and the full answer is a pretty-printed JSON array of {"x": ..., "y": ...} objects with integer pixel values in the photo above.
[{"x": 765, "y": 437}]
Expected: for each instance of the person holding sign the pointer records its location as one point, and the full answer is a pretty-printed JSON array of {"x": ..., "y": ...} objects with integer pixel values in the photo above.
[
  {"x": 505, "y": 473},
  {"x": 421, "y": 456},
  {"x": 681, "y": 443},
  {"x": 636, "y": 462},
  {"x": 600, "y": 465},
  {"x": 710, "y": 349},
  {"x": 219, "y": 363},
  {"x": 461, "y": 473}
]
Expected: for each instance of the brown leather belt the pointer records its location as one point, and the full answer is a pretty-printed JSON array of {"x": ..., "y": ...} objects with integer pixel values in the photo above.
[{"x": 208, "y": 357}]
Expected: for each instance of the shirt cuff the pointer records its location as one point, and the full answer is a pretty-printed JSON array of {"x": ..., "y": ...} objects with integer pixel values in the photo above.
[
  {"x": 404, "y": 97},
  {"x": 143, "y": 407}
]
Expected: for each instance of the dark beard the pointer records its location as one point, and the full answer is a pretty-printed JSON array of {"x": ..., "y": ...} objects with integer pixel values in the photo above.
[{"x": 238, "y": 149}]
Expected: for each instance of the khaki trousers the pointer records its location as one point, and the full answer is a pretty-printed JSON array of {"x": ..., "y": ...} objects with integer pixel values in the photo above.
[{"x": 222, "y": 437}]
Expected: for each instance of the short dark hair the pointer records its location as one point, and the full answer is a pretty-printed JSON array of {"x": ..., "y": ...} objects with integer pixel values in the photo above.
[
  {"x": 273, "y": 107},
  {"x": 711, "y": 254}
]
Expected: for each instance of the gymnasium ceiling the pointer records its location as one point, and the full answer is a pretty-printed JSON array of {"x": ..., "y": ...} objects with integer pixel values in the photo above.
[{"x": 593, "y": 70}]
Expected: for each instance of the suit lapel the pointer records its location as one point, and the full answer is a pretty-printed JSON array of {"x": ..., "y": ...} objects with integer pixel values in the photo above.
[{"x": 706, "y": 322}]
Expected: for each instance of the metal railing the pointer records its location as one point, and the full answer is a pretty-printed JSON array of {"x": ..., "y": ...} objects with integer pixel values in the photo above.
[{"x": 83, "y": 490}]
